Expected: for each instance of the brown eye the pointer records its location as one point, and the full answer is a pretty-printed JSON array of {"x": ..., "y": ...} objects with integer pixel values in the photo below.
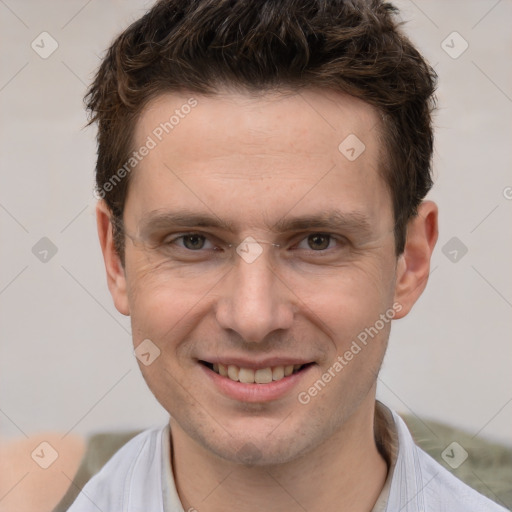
[
  {"x": 318, "y": 241},
  {"x": 193, "y": 242}
]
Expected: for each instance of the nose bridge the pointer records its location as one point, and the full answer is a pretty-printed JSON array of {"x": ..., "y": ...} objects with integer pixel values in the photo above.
[{"x": 253, "y": 302}]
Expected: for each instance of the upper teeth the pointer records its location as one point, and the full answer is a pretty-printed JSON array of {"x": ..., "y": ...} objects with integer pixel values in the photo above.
[{"x": 251, "y": 376}]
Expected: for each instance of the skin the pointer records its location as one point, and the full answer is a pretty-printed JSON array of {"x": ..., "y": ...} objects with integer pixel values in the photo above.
[{"x": 251, "y": 162}]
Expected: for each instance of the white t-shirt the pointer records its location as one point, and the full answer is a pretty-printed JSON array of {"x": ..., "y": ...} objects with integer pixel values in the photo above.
[{"x": 139, "y": 478}]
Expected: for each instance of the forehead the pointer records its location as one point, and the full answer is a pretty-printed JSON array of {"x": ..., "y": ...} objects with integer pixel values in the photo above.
[
  {"x": 266, "y": 149},
  {"x": 307, "y": 122}
]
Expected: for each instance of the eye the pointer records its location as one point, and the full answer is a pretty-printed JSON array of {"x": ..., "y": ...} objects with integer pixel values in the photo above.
[
  {"x": 190, "y": 241},
  {"x": 317, "y": 242}
]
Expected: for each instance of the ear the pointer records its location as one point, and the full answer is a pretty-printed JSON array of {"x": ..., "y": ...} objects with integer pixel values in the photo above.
[
  {"x": 413, "y": 266},
  {"x": 116, "y": 279}
]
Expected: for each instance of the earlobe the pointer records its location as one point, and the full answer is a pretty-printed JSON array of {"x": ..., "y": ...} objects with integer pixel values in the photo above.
[
  {"x": 413, "y": 266},
  {"x": 116, "y": 278}
]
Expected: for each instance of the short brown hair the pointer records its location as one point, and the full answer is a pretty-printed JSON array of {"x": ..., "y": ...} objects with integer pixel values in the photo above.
[{"x": 198, "y": 46}]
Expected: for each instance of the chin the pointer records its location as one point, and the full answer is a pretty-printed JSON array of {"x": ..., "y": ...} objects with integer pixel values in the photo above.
[
  {"x": 254, "y": 443},
  {"x": 259, "y": 452}
]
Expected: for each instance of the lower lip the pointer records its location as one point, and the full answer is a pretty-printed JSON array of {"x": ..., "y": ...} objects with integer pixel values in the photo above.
[{"x": 253, "y": 393}]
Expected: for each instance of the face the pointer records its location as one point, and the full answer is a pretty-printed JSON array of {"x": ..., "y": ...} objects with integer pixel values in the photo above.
[{"x": 258, "y": 254}]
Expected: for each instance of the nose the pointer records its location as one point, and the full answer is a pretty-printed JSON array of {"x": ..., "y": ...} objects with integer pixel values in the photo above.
[{"x": 254, "y": 301}]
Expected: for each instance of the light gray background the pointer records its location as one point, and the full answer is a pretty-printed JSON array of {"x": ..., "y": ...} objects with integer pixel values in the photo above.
[{"x": 66, "y": 359}]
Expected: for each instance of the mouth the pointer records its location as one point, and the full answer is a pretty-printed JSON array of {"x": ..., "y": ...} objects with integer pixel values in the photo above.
[{"x": 265, "y": 375}]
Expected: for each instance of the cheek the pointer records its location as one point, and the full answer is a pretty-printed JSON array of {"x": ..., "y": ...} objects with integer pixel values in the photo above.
[
  {"x": 161, "y": 314},
  {"x": 159, "y": 301},
  {"x": 350, "y": 297}
]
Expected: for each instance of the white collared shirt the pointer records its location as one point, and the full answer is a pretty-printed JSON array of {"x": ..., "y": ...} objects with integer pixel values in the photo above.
[{"x": 139, "y": 478}]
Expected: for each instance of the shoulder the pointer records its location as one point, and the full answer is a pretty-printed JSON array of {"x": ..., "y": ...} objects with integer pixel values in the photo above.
[
  {"x": 135, "y": 468},
  {"x": 424, "y": 485},
  {"x": 445, "y": 492}
]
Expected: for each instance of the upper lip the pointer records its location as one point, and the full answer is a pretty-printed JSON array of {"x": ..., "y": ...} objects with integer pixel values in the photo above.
[{"x": 255, "y": 363}]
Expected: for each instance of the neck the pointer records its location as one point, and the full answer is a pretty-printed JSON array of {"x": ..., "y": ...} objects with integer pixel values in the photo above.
[{"x": 345, "y": 473}]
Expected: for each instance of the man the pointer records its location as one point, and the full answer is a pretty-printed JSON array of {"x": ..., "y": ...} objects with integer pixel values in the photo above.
[{"x": 261, "y": 173}]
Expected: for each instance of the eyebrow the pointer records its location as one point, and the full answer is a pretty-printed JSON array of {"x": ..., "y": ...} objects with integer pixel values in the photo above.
[
  {"x": 335, "y": 219},
  {"x": 332, "y": 219}
]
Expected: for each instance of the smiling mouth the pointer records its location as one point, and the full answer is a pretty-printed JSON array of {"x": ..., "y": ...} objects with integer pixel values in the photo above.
[{"x": 254, "y": 376}]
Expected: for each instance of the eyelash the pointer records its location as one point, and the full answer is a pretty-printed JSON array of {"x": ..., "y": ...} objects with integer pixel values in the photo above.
[{"x": 342, "y": 241}]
